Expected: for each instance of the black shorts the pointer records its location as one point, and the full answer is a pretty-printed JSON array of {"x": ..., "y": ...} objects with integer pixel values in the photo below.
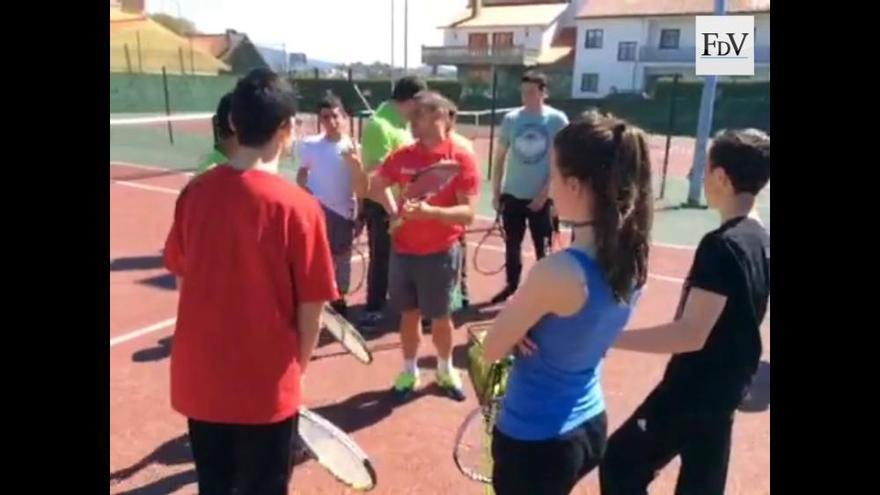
[
  {"x": 547, "y": 467},
  {"x": 424, "y": 282}
]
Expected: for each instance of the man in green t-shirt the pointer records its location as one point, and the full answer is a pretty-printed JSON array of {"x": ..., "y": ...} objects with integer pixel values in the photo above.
[
  {"x": 225, "y": 143},
  {"x": 385, "y": 132}
]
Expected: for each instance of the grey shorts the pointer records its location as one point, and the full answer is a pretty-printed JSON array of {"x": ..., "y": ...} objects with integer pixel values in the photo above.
[{"x": 424, "y": 282}]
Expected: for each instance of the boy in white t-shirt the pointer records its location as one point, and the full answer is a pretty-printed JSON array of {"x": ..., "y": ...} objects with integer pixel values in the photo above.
[{"x": 325, "y": 162}]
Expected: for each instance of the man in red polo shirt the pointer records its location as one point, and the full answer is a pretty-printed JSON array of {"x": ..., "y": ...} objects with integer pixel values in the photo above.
[
  {"x": 255, "y": 270},
  {"x": 425, "y": 256}
]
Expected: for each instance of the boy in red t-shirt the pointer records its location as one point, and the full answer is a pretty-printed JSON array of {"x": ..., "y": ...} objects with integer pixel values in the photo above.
[
  {"x": 254, "y": 267},
  {"x": 425, "y": 256}
]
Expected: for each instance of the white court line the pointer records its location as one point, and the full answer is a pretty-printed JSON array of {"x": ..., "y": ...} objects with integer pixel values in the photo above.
[
  {"x": 567, "y": 230},
  {"x": 143, "y": 331},
  {"x": 470, "y": 243},
  {"x": 151, "y": 168},
  {"x": 160, "y": 119},
  {"x": 146, "y": 187},
  {"x": 484, "y": 218},
  {"x": 169, "y": 322},
  {"x": 500, "y": 249}
]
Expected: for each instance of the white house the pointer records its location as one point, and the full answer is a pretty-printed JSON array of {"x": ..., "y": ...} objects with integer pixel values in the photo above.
[
  {"x": 509, "y": 35},
  {"x": 622, "y": 44}
]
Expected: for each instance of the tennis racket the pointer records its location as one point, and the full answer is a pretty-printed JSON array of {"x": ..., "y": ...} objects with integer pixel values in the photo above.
[
  {"x": 347, "y": 335},
  {"x": 335, "y": 451},
  {"x": 363, "y": 98},
  {"x": 473, "y": 441},
  {"x": 425, "y": 184},
  {"x": 496, "y": 230}
]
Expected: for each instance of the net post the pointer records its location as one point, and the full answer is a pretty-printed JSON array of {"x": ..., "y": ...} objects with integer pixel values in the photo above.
[
  {"x": 192, "y": 55},
  {"x": 127, "y": 58},
  {"x": 492, "y": 119},
  {"x": 140, "y": 61},
  {"x": 669, "y": 130},
  {"x": 167, "y": 105}
]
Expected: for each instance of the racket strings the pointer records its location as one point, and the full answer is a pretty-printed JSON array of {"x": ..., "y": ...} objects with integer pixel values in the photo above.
[
  {"x": 496, "y": 230},
  {"x": 359, "y": 253},
  {"x": 431, "y": 181},
  {"x": 334, "y": 450}
]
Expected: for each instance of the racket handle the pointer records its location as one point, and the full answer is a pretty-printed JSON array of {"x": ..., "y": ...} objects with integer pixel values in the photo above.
[{"x": 394, "y": 224}]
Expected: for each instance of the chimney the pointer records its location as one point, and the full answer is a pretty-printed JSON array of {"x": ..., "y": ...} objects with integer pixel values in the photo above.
[
  {"x": 133, "y": 6},
  {"x": 476, "y": 8}
]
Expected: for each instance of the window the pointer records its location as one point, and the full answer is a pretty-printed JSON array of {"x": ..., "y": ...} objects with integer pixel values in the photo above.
[
  {"x": 590, "y": 83},
  {"x": 593, "y": 38},
  {"x": 478, "y": 40},
  {"x": 502, "y": 39},
  {"x": 669, "y": 38},
  {"x": 626, "y": 51}
]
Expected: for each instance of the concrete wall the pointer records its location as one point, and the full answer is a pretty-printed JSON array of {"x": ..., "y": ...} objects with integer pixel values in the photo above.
[
  {"x": 633, "y": 75},
  {"x": 624, "y": 76}
]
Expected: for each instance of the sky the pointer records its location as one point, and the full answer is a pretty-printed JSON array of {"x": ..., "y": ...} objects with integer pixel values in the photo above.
[{"x": 333, "y": 30}]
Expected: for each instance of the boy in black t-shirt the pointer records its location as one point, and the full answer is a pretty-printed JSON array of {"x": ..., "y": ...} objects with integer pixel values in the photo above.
[{"x": 715, "y": 338}]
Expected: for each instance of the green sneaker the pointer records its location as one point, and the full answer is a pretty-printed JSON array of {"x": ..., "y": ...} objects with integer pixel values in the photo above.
[
  {"x": 405, "y": 384},
  {"x": 450, "y": 384}
]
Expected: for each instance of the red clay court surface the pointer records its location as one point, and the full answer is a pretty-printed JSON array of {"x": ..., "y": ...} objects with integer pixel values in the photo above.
[{"x": 410, "y": 445}]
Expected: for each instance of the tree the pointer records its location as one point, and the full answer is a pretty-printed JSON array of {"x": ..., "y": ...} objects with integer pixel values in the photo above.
[{"x": 179, "y": 25}]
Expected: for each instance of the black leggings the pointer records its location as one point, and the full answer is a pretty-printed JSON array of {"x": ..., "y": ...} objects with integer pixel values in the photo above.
[
  {"x": 515, "y": 213},
  {"x": 243, "y": 459},
  {"x": 547, "y": 467},
  {"x": 654, "y": 435},
  {"x": 380, "y": 254}
]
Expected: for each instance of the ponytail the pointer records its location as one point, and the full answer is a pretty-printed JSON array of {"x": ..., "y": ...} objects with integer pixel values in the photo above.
[{"x": 612, "y": 157}]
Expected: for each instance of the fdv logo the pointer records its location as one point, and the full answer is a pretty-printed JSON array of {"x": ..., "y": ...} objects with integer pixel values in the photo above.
[{"x": 725, "y": 45}]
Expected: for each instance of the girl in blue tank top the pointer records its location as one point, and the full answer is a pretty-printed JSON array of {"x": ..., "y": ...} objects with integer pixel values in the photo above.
[{"x": 551, "y": 429}]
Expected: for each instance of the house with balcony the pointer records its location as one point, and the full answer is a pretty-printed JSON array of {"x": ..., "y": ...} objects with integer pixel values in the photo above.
[
  {"x": 624, "y": 46},
  {"x": 508, "y": 36}
]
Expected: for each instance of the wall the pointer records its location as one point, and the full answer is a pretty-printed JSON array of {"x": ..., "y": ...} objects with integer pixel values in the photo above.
[
  {"x": 625, "y": 76},
  {"x": 633, "y": 76},
  {"x": 569, "y": 17},
  {"x": 686, "y": 24},
  {"x": 548, "y": 35},
  {"x": 762, "y": 23},
  {"x": 530, "y": 37}
]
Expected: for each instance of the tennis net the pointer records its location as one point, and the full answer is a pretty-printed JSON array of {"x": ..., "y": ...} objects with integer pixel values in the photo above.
[{"x": 175, "y": 142}]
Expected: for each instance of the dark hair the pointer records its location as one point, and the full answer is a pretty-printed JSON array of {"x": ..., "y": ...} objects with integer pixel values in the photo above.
[
  {"x": 435, "y": 101},
  {"x": 744, "y": 155},
  {"x": 534, "y": 77},
  {"x": 220, "y": 120},
  {"x": 612, "y": 157},
  {"x": 330, "y": 102},
  {"x": 590, "y": 114},
  {"x": 262, "y": 102},
  {"x": 407, "y": 87}
]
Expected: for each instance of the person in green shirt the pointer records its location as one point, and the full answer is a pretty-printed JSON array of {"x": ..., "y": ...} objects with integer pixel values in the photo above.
[
  {"x": 386, "y": 131},
  {"x": 225, "y": 143}
]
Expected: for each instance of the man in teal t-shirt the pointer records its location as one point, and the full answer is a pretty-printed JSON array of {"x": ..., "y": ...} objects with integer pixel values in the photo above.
[
  {"x": 520, "y": 183},
  {"x": 385, "y": 132}
]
